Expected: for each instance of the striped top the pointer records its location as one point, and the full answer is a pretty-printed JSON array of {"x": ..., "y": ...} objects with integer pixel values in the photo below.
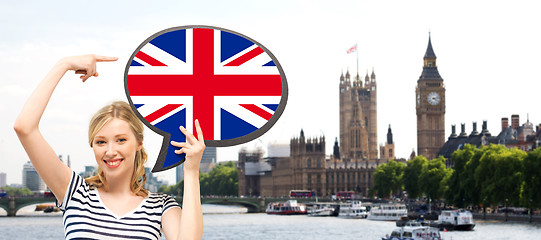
[{"x": 86, "y": 217}]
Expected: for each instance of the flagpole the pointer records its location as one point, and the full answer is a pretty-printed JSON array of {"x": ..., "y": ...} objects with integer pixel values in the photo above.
[{"x": 357, "y": 50}]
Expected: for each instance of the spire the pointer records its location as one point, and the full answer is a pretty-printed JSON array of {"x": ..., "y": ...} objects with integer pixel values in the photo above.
[
  {"x": 342, "y": 76},
  {"x": 373, "y": 75},
  {"x": 430, "y": 69},
  {"x": 429, "y": 51},
  {"x": 389, "y": 135},
  {"x": 366, "y": 78},
  {"x": 336, "y": 149},
  {"x": 347, "y": 74}
]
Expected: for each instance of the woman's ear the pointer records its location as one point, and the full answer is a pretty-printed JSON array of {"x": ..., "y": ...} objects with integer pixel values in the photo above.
[{"x": 139, "y": 145}]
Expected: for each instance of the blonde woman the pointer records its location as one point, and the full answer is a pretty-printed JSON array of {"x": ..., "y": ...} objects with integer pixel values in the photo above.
[{"x": 113, "y": 204}]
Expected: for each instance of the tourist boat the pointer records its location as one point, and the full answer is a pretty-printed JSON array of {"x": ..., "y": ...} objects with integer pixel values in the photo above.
[
  {"x": 353, "y": 209},
  {"x": 323, "y": 209},
  {"x": 414, "y": 231},
  {"x": 456, "y": 220},
  {"x": 290, "y": 207},
  {"x": 388, "y": 212}
]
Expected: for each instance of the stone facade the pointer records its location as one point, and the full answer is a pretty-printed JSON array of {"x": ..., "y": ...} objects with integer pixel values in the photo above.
[
  {"x": 307, "y": 168},
  {"x": 430, "y": 107},
  {"x": 358, "y": 118}
]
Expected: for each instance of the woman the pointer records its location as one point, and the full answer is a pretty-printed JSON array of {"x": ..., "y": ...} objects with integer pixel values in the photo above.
[{"x": 112, "y": 204}]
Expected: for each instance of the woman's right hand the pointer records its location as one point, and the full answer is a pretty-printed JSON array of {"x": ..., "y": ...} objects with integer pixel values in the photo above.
[
  {"x": 85, "y": 64},
  {"x": 44, "y": 159}
]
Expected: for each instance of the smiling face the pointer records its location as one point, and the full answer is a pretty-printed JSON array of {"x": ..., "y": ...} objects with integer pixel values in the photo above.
[{"x": 115, "y": 147}]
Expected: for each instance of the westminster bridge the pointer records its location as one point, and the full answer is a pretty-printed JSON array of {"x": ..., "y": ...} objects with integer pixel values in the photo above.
[{"x": 254, "y": 204}]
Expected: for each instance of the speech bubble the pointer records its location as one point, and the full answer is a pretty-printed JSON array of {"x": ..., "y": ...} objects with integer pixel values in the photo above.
[{"x": 232, "y": 84}]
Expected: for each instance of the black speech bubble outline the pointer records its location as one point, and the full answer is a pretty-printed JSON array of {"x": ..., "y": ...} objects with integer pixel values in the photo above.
[{"x": 158, "y": 167}]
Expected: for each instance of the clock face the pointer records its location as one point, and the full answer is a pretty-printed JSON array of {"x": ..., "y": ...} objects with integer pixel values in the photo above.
[{"x": 433, "y": 98}]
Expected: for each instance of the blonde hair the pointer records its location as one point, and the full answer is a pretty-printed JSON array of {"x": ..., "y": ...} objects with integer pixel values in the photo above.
[{"x": 123, "y": 111}]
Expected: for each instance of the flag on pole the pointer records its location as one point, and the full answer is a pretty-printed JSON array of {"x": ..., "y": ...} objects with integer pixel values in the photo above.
[{"x": 352, "y": 49}]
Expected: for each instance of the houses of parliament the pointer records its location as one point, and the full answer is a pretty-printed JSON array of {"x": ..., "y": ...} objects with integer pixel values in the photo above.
[{"x": 304, "y": 164}]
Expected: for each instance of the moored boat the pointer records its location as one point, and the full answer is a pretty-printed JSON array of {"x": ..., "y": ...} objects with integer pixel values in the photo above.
[
  {"x": 290, "y": 207},
  {"x": 456, "y": 220},
  {"x": 323, "y": 209},
  {"x": 353, "y": 209},
  {"x": 388, "y": 212}
]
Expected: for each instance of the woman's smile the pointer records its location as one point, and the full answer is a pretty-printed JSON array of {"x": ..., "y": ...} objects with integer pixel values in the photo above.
[{"x": 113, "y": 163}]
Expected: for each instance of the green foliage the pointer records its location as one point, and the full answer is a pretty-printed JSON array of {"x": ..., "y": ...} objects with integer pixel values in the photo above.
[
  {"x": 531, "y": 188},
  {"x": 388, "y": 178},
  {"x": 15, "y": 192},
  {"x": 500, "y": 174},
  {"x": 468, "y": 182},
  {"x": 454, "y": 191},
  {"x": 221, "y": 180},
  {"x": 411, "y": 176},
  {"x": 490, "y": 175},
  {"x": 432, "y": 176}
]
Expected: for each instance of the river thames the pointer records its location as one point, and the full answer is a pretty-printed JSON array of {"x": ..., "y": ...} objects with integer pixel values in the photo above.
[{"x": 228, "y": 222}]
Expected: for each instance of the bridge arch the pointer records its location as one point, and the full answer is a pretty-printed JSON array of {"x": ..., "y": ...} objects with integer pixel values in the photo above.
[
  {"x": 13, "y": 205},
  {"x": 252, "y": 206}
]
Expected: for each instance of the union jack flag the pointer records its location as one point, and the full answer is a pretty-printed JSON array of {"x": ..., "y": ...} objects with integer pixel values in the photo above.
[{"x": 230, "y": 83}]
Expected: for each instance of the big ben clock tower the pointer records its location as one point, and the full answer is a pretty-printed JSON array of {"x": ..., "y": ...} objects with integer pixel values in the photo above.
[{"x": 430, "y": 105}]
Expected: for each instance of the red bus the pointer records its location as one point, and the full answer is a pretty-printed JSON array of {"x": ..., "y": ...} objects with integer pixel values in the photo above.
[
  {"x": 302, "y": 193},
  {"x": 345, "y": 195}
]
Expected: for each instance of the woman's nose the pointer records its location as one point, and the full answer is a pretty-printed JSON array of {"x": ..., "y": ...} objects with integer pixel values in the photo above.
[{"x": 111, "y": 150}]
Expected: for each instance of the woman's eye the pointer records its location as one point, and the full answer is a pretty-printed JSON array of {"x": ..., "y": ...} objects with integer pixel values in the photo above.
[
  {"x": 122, "y": 140},
  {"x": 100, "y": 142}
]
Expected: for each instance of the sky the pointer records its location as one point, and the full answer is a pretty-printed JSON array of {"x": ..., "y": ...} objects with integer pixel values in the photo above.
[{"x": 488, "y": 55}]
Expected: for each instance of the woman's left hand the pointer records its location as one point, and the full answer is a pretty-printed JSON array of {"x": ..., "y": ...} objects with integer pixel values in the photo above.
[{"x": 193, "y": 147}]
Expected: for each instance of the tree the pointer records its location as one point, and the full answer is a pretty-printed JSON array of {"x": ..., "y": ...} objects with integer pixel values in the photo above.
[
  {"x": 454, "y": 193},
  {"x": 15, "y": 192},
  {"x": 221, "y": 180},
  {"x": 468, "y": 181},
  {"x": 411, "y": 175},
  {"x": 531, "y": 188},
  {"x": 388, "y": 178},
  {"x": 431, "y": 179}
]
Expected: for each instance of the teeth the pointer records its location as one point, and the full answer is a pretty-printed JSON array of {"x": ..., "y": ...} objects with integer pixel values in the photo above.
[{"x": 114, "y": 163}]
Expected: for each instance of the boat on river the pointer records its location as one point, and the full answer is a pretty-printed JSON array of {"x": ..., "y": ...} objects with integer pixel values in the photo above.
[
  {"x": 290, "y": 207},
  {"x": 388, "y": 212},
  {"x": 353, "y": 209},
  {"x": 456, "y": 220},
  {"x": 323, "y": 209},
  {"x": 414, "y": 231}
]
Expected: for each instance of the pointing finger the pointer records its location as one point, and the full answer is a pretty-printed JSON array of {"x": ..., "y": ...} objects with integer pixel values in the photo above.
[
  {"x": 199, "y": 131},
  {"x": 105, "y": 59}
]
